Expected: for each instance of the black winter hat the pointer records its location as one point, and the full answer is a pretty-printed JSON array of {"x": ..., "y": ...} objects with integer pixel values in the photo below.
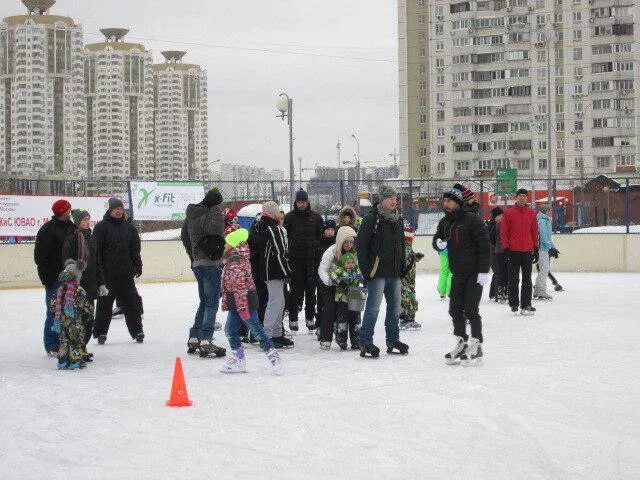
[
  {"x": 522, "y": 191},
  {"x": 115, "y": 203},
  {"x": 213, "y": 197},
  {"x": 330, "y": 224},
  {"x": 78, "y": 214},
  {"x": 455, "y": 194},
  {"x": 495, "y": 212},
  {"x": 302, "y": 196}
]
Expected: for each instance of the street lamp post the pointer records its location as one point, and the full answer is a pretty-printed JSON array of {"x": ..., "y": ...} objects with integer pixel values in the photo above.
[
  {"x": 285, "y": 106},
  {"x": 357, "y": 161}
]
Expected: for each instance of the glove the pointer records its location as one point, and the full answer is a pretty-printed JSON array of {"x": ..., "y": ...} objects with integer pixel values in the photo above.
[
  {"x": 441, "y": 244},
  {"x": 483, "y": 279},
  {"x": 536, "y": 255},
  {"x": 103, "y": 291},
  {"x": 553, "y": 252},
  {"x": 138, "y": 272}
]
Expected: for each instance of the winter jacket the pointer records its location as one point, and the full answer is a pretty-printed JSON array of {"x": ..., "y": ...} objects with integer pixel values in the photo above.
[
  {"x": 379, "y": 238},
  {"x": 304, "y": 229},
  {"x": 268, "y": 241},
  {"x": 519, "y": 229},
  {"x": 473, "y": 208},
  {"x": 495, "y": 238},
  {"x": 323, "y": 246},
  {"x": 238, "y": 287},
  {"x": 201, "y": 221},
  {"x": 118, "y": 248},
  {"x": 92, "y": 277},
  {"x": 48, "y": 249},
  {"x": 467, "y": 242},
  {"x": 342, "y": 279},
  {"x": 544, "y": 227},
  {"x": 332, "y": 255},
  {"x": 347, "y": 217}
]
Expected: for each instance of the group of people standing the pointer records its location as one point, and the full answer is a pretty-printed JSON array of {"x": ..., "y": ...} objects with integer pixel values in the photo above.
[
  {"x": 287, "y": 264},
  {"x": 78, "y": 267}
]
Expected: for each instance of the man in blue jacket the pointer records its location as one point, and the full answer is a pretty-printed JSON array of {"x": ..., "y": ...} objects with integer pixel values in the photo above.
[{"x": 546, "y": 244}]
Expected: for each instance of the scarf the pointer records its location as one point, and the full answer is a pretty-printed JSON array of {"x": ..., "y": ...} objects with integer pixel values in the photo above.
[
  {"x": 65, "y": 298},
  {"x": 83, "y": 251},
  {"x": 392, "y": 217}
]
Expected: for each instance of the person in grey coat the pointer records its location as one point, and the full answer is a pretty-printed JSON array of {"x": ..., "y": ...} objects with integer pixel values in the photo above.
[{"x": 204, "y": 227}]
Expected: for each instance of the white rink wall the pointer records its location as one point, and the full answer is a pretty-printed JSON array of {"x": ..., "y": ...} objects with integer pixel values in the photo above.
[{"x": 166, "y": 261}]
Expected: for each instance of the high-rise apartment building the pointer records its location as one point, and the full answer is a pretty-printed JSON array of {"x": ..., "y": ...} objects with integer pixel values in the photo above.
[
  {"x": 42, "y": 109},
  {"x": 118, "y": 84},
  {"x": 180, "y": 108},
  {"x": 526, "y": 84}
]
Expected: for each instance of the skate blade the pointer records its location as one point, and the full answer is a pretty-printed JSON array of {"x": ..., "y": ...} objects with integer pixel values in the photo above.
[
  {"x": 472, "y": 363},
  {"x": 452, "y": 361},
  {"x": 527, "y": 314},
  {"x": 232, "y": 372}
]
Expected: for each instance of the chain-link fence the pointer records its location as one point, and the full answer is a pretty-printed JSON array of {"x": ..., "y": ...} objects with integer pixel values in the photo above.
[{"x": 599, "y": 205}]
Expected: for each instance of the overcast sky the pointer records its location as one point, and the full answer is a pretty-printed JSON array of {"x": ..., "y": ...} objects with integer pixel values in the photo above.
[{"x": 333, "y": 97}]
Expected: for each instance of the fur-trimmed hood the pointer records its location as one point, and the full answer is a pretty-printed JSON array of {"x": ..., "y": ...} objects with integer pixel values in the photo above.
[{"x": 348, "y": 217}]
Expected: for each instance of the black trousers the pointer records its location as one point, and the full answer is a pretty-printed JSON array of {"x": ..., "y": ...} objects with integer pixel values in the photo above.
[
  {"x": 327, "y": 295},
  {"x": 520, "y": 261},
  {"x": 463, "y": 305},
  {"x": 303, "y": 288},
  {"x": 500, "y": 275},
  {"x": 347, "y": 323},
  {"x": 124, "y": 290}
]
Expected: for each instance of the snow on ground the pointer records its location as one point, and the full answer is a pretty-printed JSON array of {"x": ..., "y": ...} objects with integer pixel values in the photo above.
[
  {"x": 557, "y": 398},
  {"x": 172, "y": 234},
  {"x": 609, "y": 229}
]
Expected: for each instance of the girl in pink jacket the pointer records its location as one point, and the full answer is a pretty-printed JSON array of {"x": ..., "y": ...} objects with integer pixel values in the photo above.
[{"x": 240, "y": 299}]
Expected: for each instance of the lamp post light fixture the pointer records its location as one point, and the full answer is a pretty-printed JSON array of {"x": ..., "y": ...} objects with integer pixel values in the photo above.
[{"x": 285, "y": 107}]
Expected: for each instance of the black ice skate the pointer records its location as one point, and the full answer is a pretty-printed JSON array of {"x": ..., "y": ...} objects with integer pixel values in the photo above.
[
  {"x": 542, "y": 296},
  {"x": 515, "y": 309},
  {"x": 192, "y": 345},
  {"x": 102, "y": 339},
  {"x": 398, "y": 348},
  {"x": 293, "y": 325},
  {"x": 558, "y": 288},
  {"x": 311, "y": 325},
  {"x": 369, "y": 351},
  {"x": 472, "y": 355},
  {"x": 139, "y": 338},
  {"x": 117, "y": 312},
  {"x": 453, "y": 357},
  {"x": 282, "y": 342},
  {"x": 210, "y": 350}
]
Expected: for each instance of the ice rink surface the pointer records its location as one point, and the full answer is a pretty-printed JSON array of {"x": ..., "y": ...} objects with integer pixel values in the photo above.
[{"x": 558, "y": 397}]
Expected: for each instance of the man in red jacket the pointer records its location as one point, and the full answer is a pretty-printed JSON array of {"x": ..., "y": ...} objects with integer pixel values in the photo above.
[{"x": 520, "y": 243}]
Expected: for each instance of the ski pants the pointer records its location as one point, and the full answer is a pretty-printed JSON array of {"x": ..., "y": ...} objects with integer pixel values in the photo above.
[
  {"x": 123, "y": 289},
  {"x": 463, "y": 305},
  {"x": 328, "y": 295},
  {"x": 444, "y": 280},
  {"x": 520, "y": 261},
  {"x": 543, "y": 272},
  {"x": 275, "y": 308},
  {"x": 303, "y": 287},
  {"x": 347, "y": 323}
]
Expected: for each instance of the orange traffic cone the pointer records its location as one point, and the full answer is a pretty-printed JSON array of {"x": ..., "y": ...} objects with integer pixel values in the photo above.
[{"x": 179, "y": 396}]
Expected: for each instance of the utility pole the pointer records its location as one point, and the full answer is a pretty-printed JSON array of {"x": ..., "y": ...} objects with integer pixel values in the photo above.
[
  {"x": 549, "y": 41},
  {"x": 300, "y": 170}
]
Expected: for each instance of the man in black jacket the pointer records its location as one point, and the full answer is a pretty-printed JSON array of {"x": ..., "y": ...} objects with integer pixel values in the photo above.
[
  {"x": 50, "y": 262},
  {"x": 304, "y": 228},
  {"x": 381, "y": 255},
  {"x": 465, "y": 236},
  {"x": 118, "y": 253}
]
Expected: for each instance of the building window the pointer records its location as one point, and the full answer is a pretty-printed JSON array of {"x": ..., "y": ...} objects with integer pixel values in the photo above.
[
  {"x": 439, "y": 28},
  {"x": 422, "y": 69},
  {"x": 440, "y": 80},
  {"x": 421, "y": 3},
  {"x": 440, "y": 132},
  {"x": 439, "y": 46},
  {"x": 542, "y": 144},
  {"x": 441, "y": 167},
  {"x": 462, "y": 166},
  {"x": 542, "y": 164},
  {"x": 578, "y": 125},
  {"x": 577, "y": 16},
  {"x": 422, "y": 52},
  {"x": 560, "y": 89},
  {"x": 440, "y": 115},
  {"x": 423, "y": 102},
  {"x": 422, "y": 19},
  {"x": 423, "y": 119},
  {"x": 423, "y": 135},
  {"x": 577, "y": 53},
  {"x": 440, "y": 149},
  {"x": 577, "y": 35},
  {"x": 423, "y": 152},
  {"x": 578, "y": 144},
  {"x": 603, "y": 162},
  {"x": 559, "y": 144}
]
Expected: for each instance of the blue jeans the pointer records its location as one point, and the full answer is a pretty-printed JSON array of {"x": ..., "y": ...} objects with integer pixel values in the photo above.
[
  {"x": 209, "y": 283},
  {"x": 233, "y": 324},
  {"x": 390, "y": 287},
  {"x": 51, "y": 339}
]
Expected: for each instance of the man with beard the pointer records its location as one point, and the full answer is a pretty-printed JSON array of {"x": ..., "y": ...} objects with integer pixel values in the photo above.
[
  {"x": 118, "y": 252},
  {"x": 465, "y": 236},
  {"x": 304, "y": 228}
]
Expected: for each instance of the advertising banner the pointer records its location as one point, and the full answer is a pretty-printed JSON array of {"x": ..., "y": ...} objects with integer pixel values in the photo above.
[
  {"x": 23, "y": 215},
  {"x": 164, "y": 200}
]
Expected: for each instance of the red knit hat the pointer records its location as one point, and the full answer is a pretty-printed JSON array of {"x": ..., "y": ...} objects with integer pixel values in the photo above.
[{"x": 60, "y": 207}]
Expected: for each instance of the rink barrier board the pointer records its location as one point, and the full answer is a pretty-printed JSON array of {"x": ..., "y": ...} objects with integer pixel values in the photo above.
[{"x": 165, "y": 261}]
